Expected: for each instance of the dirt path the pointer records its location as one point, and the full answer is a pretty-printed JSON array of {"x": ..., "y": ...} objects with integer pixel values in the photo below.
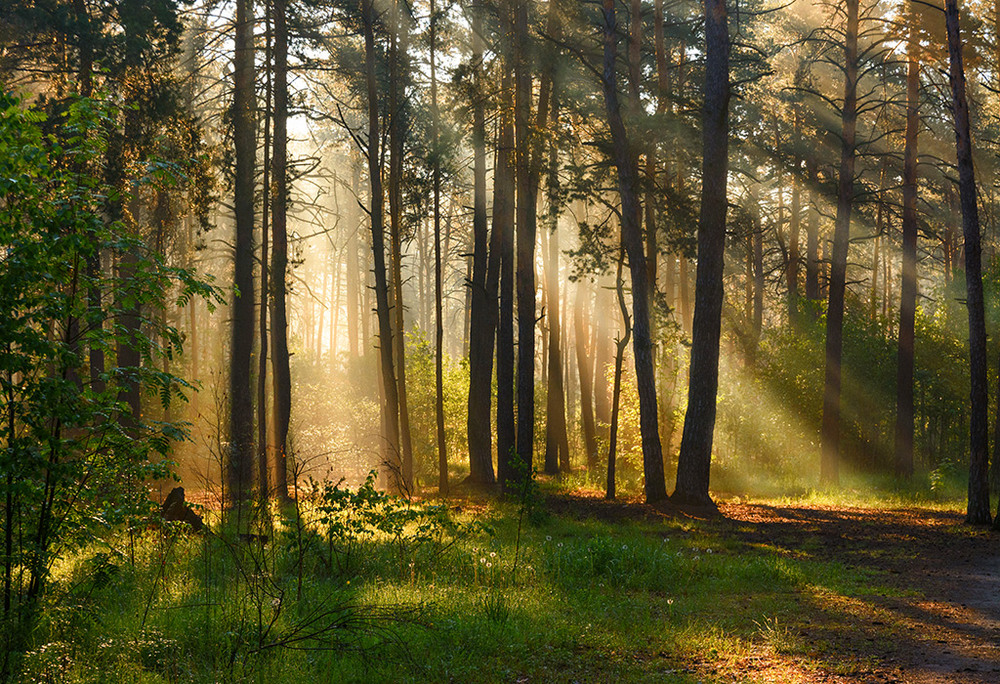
[
  {"x": 942, "y": 624},
  {"x": 937, "y": 623}
]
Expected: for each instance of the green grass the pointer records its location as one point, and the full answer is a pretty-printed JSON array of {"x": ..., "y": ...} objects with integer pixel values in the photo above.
[{"x": 634, "y": 601}]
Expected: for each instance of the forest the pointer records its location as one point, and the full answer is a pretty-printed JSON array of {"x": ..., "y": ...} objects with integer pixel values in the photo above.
[{"x": 499, "y": 341}]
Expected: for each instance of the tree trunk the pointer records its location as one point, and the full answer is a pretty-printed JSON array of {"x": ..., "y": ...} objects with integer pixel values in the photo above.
[
  {"x": 503, "y": 229},
  {"x": 908, "y": 291},
  {"x": 263, "y": 474},
  {"x": 438, "y": 312},
  {"x": 812, "y": 231},
  {"x": 397, "y": 134},
  {"x": 978, "y": 512},
  {"x": 485, "y": 272},
  {"x": 239, "y": 470},
  {"x": 585, "y": 369},
  {"x": 830, "y": 463},
  {"x": 621, "y": 344},
  {"x": 695, "y": 458},
  {"x": 527, "y": 191},
  {"x": 390, "y": 407},
  {"x": 626, "y": 161}
]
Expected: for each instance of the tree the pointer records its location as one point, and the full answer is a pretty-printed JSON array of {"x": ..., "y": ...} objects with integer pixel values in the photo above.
[
  {"x": 239, "y": 464},
  {"x": 282, "y": 378},
  {"x": 390, "y": 401},
  {"x": 830, "y": 462},
  {"x": 694, "y": 460},
  {"x": 908, "y": 289},
  {"x": 626, "y": 163},
  {"x": 978, "y": 511}
]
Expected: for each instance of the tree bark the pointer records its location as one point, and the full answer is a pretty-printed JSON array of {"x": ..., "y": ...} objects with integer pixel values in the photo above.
[
  {"x": 239, "y": 470},
  {"x": 626, "y": 161},
  {"x": 585, "y": 369},
  {"x": 485, "y": 273},
  {"x": 830, "y": 462},
  {"x": 978, "y": 511},
  {"x": 390, "y": 407},
  {"x": 282, "y": 377},
  {"x": 908, "y": 291},
  {"x": 695, "y": 458},
  {"x": 397, "y": 134}
]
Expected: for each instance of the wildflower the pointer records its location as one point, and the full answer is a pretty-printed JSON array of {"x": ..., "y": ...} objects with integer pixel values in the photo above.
[
  {"x": 482, "y": 560},
  {"x": 670, "y": 602},
  {"x": 493, "y": 554},
  {"x": 548, "y": 537},
  {"x": 709, "y": 551},
  {"x": 624, "y": 547},
  {"x": 559, "y": 544},
  {"x": 489, "y": 565}
]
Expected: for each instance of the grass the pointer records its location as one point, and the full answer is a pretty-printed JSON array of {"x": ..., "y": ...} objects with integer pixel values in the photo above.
[{"x": 660, "y": 600}]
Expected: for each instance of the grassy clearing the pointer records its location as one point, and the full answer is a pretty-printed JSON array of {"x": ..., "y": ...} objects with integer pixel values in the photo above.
[{"x": 634, "y": 600}]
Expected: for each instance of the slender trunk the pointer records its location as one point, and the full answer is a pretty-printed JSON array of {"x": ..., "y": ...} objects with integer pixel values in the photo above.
[
  {"x": 812, "y": 231},
  {"x": 794, "y": 229},
  {"x": 830, "y": 463},
  {"x": 438, "y": 312},
  {"x": 527, "y": 191},
  {"x": 263, "y": 476},
  {"x": 908, "y": 291},
  {"x": 390, "y": 407},
  {"x": 353, "y": 268},
  {"x": 239, "y": 471},
  {"x": 621, "y": 344},
  {"x": 585, "y": 369},
  {"x": 503, "y": 228},
  {"x": 485, "y": 272},
  {"x": 978, "y": 512},
  {"x": 695, "y": 458},
  {"x": 282, "y": 378},
  {"x": 397, "y": 134},
  {"x": 626, "y": 162}
]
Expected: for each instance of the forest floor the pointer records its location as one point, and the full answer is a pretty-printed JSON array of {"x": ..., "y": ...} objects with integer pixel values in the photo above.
[{"x": 934, "y": 617}]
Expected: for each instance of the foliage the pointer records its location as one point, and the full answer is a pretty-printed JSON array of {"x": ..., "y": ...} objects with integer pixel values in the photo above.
[{"x": 72, "y": 461}]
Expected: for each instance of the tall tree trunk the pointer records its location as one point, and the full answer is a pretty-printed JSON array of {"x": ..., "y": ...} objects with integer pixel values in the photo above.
[
  {"x": 485, "y": 273},
  {"x": 830, "y": 462},
  {"x": 263, "y": 474},
  {"x": 239, "y": 471},
  {"x": 695, "y": 458},
  {"x": 438, "y": 312},
  {"x": 978, "y": 512},
  {"x": 908, "y": 291},
  {"x": 527, "y": 192},
  {"x": 353, "y": 267},
  {"x": 794, "y": 229},
  {"x": 812, "y": 231},
  {"x": 503, "y": 229},
  {"x": 282, "y": 377},
  {"x": 626, "y": 161},
  {"x": 397, "y": 73},
  {"x": 390, "y": 406},
  {"x": 621, "y": 344},
  {"x": 585, "y": 369}
]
